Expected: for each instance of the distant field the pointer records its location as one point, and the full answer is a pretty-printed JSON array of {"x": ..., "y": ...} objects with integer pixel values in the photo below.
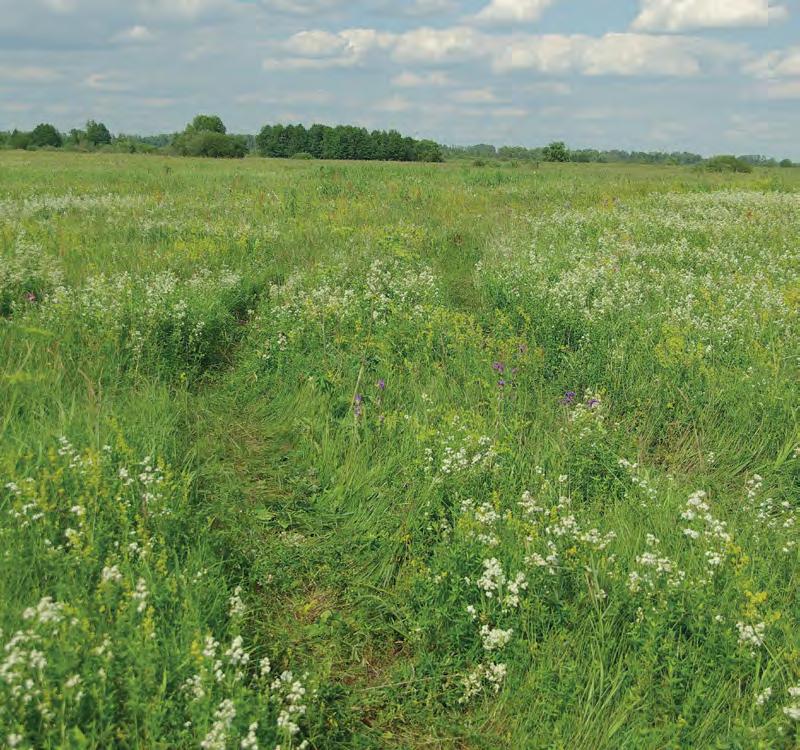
[{"x": 333, "y": 455}]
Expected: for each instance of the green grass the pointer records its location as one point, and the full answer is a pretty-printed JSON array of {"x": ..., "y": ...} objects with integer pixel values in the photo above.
[{"x": 474, "y": 457}]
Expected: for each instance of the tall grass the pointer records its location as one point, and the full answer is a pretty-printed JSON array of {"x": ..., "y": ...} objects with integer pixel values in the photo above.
[{"x": 397, "y": 455}]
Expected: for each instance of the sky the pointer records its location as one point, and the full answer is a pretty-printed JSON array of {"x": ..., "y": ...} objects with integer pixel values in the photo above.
[{"x": 711, "y": 76}]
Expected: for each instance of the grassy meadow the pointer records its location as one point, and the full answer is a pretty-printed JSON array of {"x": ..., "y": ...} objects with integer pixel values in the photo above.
[{"x": 304, "y": 455}]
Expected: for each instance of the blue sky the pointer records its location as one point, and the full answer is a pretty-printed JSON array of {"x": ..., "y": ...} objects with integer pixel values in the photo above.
[{"x": 705, "y": 75}]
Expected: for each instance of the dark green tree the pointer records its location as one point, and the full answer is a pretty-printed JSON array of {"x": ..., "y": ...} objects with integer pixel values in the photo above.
[
  {"x": 202, "y": 123},
  {"x": 45, "y": 134},
  {"x": 97, "y": 133},
  {"x": 556, "y": 151}
]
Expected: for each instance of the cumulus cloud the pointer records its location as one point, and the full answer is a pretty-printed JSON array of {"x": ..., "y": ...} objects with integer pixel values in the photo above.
[
  {"x": 509, "y": 11},
  {"x": 614, "y": 55},
  {"x": 626, "y": 54},
  {"x": 680, "y": 15},
  {"x": 777, "y": 64}
]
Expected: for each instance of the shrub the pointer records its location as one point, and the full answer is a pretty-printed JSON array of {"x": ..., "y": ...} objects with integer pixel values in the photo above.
[
  {"x": 302, "y": 155},
  {"x": 211, "y": 144},
  {"x": 727, "y": 163}
]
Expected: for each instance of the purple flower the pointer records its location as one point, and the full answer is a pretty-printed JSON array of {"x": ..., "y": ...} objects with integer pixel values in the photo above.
[
  {"x": 381, "y": 384},
  {"x": 592, "y": 402},
  {"x": 499, "y": 367},
  {"x": 30, "y": 296},
  {"x": 569, "y": 398},
  {"x": 357, "y": 408},
  {"x": 501, "y": 383}
]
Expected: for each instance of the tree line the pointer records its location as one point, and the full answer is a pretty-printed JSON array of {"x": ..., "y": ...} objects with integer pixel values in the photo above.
[
  {"x": 559, "y": 152},
  {"x": 207, "y": 136}
]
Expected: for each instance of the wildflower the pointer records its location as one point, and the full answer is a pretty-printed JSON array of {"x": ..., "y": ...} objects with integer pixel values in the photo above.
[
  {"x": 140, "y": 595},
  {"x": 381, "y": 384},
  {"x": 568, "y": 398},
  {"x": 250, "y": 742},
  {"x": 495, "y": 638},
  {"x": 217, "y": 737},
  {"x": 763, "y": 696},
  {"x": 111, "y": 574},
  {"x": 236, "y": 605},
  {"x": 793, "y": 710},
  {"x": 358, "y": 408},
  {"x": 751, "y": 634},
  {"x": 499, "y": 367}
]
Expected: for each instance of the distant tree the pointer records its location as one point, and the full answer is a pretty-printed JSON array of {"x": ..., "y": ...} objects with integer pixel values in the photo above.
[
  {"x": 211, "y": 144},
  {"x": 343, "y": 142},
  {"x": 19, "y": 139},
  {"x": 787, "y": 163},
  {"x": 45, "y": 134},
  {"x": 75, "y": 137},
  {"x": 203, "y": 123},
  {"x": 727, "y": 163},
  {"x": 556, "y": 151},
  {"x": 429, "y": 151},
  {"x": 97, "y": 133}
]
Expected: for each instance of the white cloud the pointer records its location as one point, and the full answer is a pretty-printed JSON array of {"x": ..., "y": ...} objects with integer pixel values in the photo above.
[
  {"x": 778, "y": 64},
  {"x": 411, "y": 80},
  {"x": 437, "y": 45},
  {"x": 317, "y": 44},
  {"x": 679, "y": 15},
  {"x": 506, "y": 11},
  {"x": 474, "y": 96},
  {"x": 614, "y": 54},
  {"x": 134, "y": 35},
  {"x": 552, "y": 54}
]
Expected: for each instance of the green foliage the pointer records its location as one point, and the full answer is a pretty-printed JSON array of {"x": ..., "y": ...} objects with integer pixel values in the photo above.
[
  {"x": 206, "y": 136},
  {"x": 384, "y": 426},
  {"x": 45, "y": 134},
  {"x": 727, "y": 163},
  {"x": 206, "y": 123},
  {"x": 302, "y": 155},
  {"x": 97, "y": 133},
  {"x": 211, "y": 144},
  {"x": 786, "y": 163},
  {"x": 556, "y": 151},
  {"x": 343, "y": 142}
]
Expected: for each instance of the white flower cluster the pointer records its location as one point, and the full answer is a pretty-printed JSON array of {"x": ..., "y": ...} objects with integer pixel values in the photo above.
[{"x": 793, "y": 709}]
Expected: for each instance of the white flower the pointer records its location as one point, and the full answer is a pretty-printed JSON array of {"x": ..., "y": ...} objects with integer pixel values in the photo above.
[
  {"x": 495, "y": 638},
  {"x": 140, "y": 595},
  {"x": 763, "y": 696}
]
